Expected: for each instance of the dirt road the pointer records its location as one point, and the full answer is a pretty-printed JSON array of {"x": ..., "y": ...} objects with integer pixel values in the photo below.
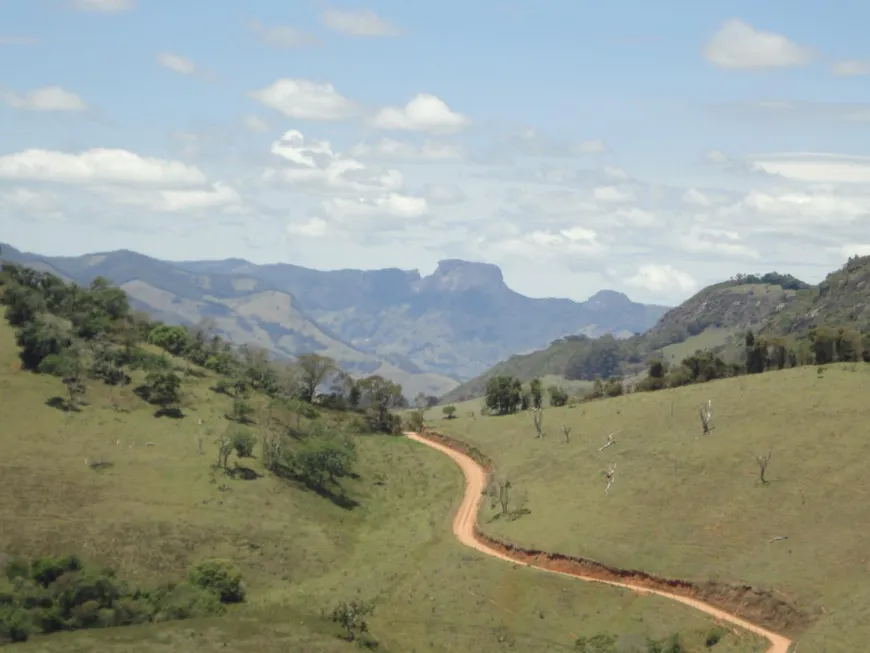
[{"x": 466, "y": 518}]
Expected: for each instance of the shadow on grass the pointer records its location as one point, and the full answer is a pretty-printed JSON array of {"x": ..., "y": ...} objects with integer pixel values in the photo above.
[
  {"x": 244, "y": 473},
  {"x": 336, "y": 496},
  {"x": 512, "y": 515},
  {"x": 172, "y": 413},
  {"x": 62, "y": 404}
]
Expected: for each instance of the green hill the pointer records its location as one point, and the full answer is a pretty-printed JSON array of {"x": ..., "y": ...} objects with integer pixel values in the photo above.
[
  {"x": 692, "y": 506},
  {"x": 714, "y": 319},
  {"x": 98, "y": 474}
]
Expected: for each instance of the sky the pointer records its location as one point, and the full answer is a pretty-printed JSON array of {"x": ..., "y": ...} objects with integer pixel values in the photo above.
[{"x": 644, "y": 146}]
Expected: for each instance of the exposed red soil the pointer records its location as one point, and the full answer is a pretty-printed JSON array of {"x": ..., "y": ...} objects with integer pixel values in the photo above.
[{"x": 739, "y": 605}]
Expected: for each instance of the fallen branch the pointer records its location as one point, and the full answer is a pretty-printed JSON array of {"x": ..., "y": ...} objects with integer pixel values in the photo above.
[
  {"x": 610, "y": 441},
  {"x": 779, "y": 538},
  {"x": 609, "y": 474}
]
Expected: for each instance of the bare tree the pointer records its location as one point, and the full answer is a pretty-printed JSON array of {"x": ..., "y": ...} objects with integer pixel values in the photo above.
[
  {"x": 567, "y": 432},
  {"x": 609, "y": 442},
  {"x": 499, "y": 492},
  {"x": 538, "y": 419},
  {"x": 609, "y": 474},
  {"x": 706, "y": 413},
  {"x": 763, "y": 462}
]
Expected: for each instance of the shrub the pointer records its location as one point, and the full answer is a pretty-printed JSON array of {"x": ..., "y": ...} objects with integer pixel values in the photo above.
[
  {"x": 15, "y": 625},
  {"x": 243, "y": 442},
  {"x": 184, "y": 601},
  {"x": 221, "y": 577}
]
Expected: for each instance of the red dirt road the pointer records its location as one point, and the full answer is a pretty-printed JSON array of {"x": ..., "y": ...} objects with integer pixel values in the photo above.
[{"x": 464, "y": 528}]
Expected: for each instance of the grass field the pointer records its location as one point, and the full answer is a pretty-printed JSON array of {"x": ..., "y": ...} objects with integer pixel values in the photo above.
[
  {"x": 691, "y": 506},
  {"x": 707, "y": 340},
  {"x": 160, "y": 507}
]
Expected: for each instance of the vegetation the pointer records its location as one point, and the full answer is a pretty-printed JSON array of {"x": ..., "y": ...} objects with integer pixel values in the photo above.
[
  {"x": 151, "y": 502},
  {"x": 53, "y": 594},
  {"x": 772, "y": 495}
]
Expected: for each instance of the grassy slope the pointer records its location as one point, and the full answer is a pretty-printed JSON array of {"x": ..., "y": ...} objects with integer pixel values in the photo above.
[
  {"x": 688, "y": 506},
  {"x": 157, "y": 510}
]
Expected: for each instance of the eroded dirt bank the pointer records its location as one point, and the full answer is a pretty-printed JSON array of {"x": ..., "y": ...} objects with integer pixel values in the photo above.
[{"x": 739, "y": 605}]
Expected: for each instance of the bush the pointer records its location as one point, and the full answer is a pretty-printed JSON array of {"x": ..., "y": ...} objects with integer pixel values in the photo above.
[
  {"x": 15, "y": 625},
  {"x": 243, "y": 441},
  {"x": 185, "y": 601},
  {"x": 221, "y": 577}
]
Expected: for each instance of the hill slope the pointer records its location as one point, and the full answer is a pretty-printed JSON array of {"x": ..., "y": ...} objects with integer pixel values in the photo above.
[
  {"x": 714, "y": 319},
  {"x": 691, "y": 506},
  {"x": 162, "y": 506}
]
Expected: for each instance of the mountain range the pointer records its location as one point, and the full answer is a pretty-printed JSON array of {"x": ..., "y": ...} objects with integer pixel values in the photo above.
[{"x": 429, "y": 333}]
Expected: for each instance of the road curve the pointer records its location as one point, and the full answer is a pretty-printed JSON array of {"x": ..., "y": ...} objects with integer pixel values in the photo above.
[{"x": 466, "y": 519}]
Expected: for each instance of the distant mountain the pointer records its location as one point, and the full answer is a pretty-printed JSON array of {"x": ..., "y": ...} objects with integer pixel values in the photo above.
[
  {"x": 428, "y": 333},
  {"x": 713, "y": 319}
]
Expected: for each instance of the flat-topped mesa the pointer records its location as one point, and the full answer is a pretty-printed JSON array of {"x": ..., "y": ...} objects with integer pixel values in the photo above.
[{"x": 456, "y": 275}]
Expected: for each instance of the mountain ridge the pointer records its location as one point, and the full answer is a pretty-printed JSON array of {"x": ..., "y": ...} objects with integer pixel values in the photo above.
[{"x": 428, "y": 332}]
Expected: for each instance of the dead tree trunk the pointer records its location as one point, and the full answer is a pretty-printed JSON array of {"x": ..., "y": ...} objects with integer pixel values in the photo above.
[
  {"x": 609, "y": 474},
  {"x": 538, "y": 418},
  {"x": 763, "y": 462},
  {"x": 706, "y": 413},
  {"x": 609, "y": 442},
  {"x": 567, "y": 431}
]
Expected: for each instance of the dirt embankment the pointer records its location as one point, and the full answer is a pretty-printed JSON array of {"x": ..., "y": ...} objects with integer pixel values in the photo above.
[{"x": 741, "y": 605}]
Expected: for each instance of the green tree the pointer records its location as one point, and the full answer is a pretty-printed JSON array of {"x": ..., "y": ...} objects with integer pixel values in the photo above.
[
  {"x": 536, "y": 393},
  {"x": 503, "y": 394},
  {"x": 558, "y": 397},
  {"x": 163, "y": 389},
  {"x": 173, "y": 339},
  {"x": 381, "y": 395},
  {"x": 352, "y": 617},
  {"x": 41, "y": 338},
  {"x": 313, "y": 370},
  {"x": 449, "y": 412},
  {"x": 325, "y": 458},
  {"x": 222, "y": 577}
]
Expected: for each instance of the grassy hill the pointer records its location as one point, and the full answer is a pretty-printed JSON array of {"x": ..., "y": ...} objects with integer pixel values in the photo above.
[
  {"x": 241, "y": 308},
  {"x": 161, "y": 506},
  {"x": 426, "y": 333},
  {"x": 714, "y": 319},
  {"x": 692, "y": 506}
]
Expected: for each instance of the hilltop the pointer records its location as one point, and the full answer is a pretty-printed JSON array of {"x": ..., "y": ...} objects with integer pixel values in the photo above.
[
  {"x": 152, "y": 450},
  {"x": 426, "y": 333},
  {"x": 715, "y": 319}
]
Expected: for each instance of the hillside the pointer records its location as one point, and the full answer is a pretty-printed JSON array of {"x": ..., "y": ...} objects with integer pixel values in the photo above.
[
  {"x": 240, "y": 308},
  {"x": 107, "y": 479},
  {"x": 685, "y": 505},
  {"x": 714, "y": 319}
]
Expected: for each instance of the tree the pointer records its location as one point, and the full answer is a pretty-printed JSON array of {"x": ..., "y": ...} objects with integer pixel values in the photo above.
[
  {"x": 756, "y": 358},
  {"x": 163, "y": 388},
  {"x": 763, "y": 462},
  {"x": 352, "y": 617},
  {"x": 325, "y": 458},
  {"x": 313, "y": 370},
  {"x": 449, "y": 412},
  {"x": 503, "y": 394},
  {"x": 380, "y": 395},
  {"x": 536, "y": 392},
  {"x": 173, "y": 339},
  {"x": 41, "y": 338},
  {"x": 599, "y": 359},
  {"x": 558, "y": 397}
]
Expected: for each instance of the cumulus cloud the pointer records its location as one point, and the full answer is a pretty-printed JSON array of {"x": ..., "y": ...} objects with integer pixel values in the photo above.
[
  {"x": 717, "y": 242},
  {"x": 46, "y": 98},
  {"x": 815, "y": 167},
  {"x": 282, "y": 36},
  {"x": 176, "y": 63},
  {"x": 662, "y": 279},
  {"x": 851, "y": 67},
  {"x": 215, "y": 196},
  {"x": 304, "y": 99},
  {"x": 359, "y": 22},
  {"x": 444, "y": 194},
  {"x": 98, "y": 166},
  {"x": 737, "y": 45},
  {"x": 394, "y": 150},
  {"x": 105, "y": 6},
  {"x": 425, "y": 113},
  {"x": 562, "y": 244}
]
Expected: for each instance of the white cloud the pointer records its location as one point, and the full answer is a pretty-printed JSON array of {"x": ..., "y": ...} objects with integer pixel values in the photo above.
[
  {"x": 176, "y": 63},
  {"x": 303, "y": 99},
  {"x": 107, "y": 6},
  {"x": 662, "y": 279},
  {"x": 856, "y": 249},
  {"x": 444, "y": 194},
  {"x": 562, "y": 244},
  {"x": 695, "y": 197},
  {"x": 47, "y": 98},
  {"x": 360, "y": 22},
  {"x": 635, "y": 217},
  {"x": 314, "y": 165},
  {"x": 98, "y": 166},
  {"x": 815, "y": 167},
  {"x": 313, "y": 228},
  {"x": 737, "y": 45},
  {"x": 255, "y": 123},
  {"x": 391, "y": 205},
  {"x": 282, "y": 36},
  {"x": 391, "y": 149},
  {"x": 424, "y": 112},
  {"x": 721, "y": 242},
  {"x": 851, "y": 68},
  {"x": 175, "y": 201},
  {"x": 818, "y": 206},
  {"x": 612, "y": 194}
]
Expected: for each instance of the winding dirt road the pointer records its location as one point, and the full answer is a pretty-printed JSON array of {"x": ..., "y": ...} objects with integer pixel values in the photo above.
[{"x": 464, "y": 529}]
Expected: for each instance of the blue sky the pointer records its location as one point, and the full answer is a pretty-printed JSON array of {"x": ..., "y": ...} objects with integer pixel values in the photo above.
[{"x": 650, "y": 147}]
